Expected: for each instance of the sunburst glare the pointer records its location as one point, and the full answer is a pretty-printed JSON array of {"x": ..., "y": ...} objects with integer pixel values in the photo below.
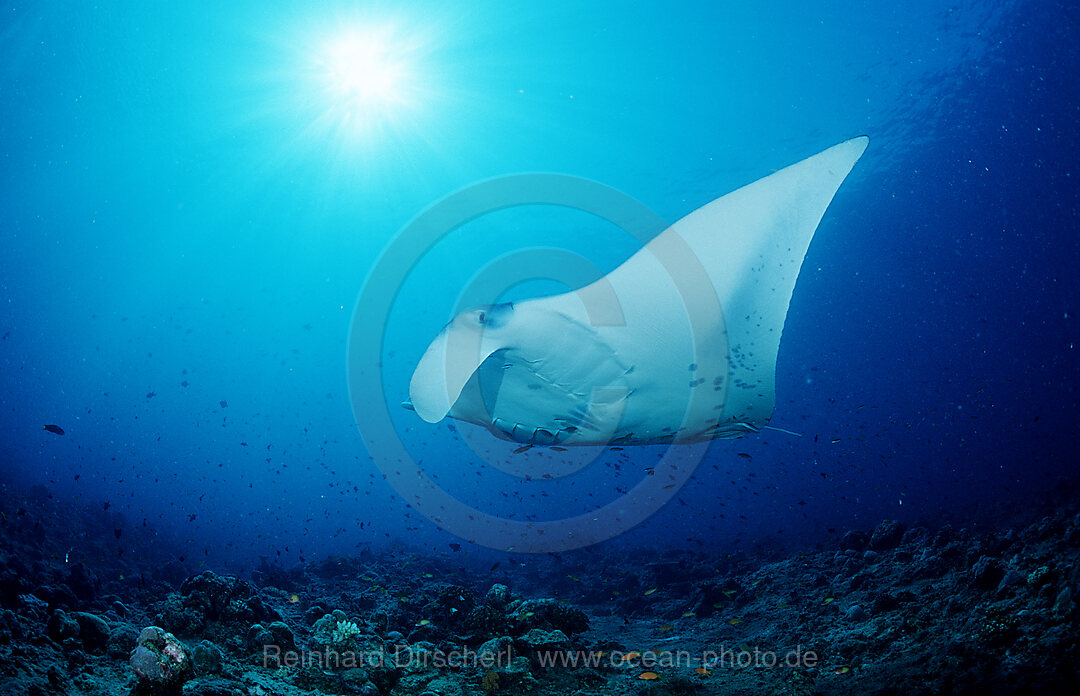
[{"x": 365, "y": 77}]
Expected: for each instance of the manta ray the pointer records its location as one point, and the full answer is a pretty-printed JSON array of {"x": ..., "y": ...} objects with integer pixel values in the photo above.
[{"x": 678, "y": 344}]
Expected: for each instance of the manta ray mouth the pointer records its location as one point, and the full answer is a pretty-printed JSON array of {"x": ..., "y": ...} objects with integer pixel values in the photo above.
[{"x": 548, "y": 391}]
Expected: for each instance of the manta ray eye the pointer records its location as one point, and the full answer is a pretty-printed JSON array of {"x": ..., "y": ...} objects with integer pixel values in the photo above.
[{"x": 494, "y": 316}]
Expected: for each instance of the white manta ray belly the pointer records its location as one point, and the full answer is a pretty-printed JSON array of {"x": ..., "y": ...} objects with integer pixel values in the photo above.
[{"x": 694, "y": 357}]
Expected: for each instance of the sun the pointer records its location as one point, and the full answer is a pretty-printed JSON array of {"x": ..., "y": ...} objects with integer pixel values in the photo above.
[
  {"x": 360, "y": 92},
  {"x": 366, "y": 79},
  {"x": 362, "y": 71}
]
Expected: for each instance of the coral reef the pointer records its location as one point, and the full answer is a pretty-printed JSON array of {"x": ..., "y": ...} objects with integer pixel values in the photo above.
[{"x": 894, "y": 609}]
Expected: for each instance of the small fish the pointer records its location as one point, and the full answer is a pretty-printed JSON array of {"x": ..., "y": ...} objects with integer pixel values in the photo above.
[
  {"x": 734, "y": 622},
  {"x": 223, "y": 404},
  {"x": 648, "y": 676},
  {"x": 841, "y": 670},
  {"x": 294, "y": 598},
  {"x": 701, "y": 671},
  {"x": 454, "y": 547},
  {"x": 688, "y": 614},
  {"x": 666, "y": 627},
  {"x": 744, "y": 455},
  {"x": 523, "y": 448},
  {"x": 649, "y": 592},
  {"x": 829, "y": 600},
  {"x": 559, "y": 449},
  {"x": 631, "y": 656},
  {"x": 54, "y": 429},
  {"x": 421, "y": 622}
]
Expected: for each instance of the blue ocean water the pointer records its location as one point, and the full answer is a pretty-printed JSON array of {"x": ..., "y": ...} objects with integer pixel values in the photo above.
[{"x": 194, "y": 195}]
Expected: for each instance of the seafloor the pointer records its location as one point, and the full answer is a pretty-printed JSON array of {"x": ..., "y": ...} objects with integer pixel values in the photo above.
[{"x": 889, "y": 610}]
